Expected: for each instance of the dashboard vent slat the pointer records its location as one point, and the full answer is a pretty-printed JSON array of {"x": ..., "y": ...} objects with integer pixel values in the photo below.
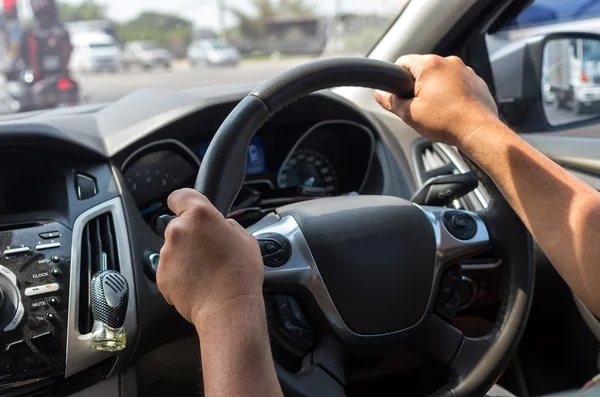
[{"x": 98, "y": 252}]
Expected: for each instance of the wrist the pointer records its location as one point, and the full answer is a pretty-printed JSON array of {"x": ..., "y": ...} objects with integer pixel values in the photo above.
[
  {"x": 239, "y": 310},
  {"x": 477, "y": 132}
]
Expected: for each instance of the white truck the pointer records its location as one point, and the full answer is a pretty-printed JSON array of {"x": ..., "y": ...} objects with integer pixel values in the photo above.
[{"x": 571, "y": 74}]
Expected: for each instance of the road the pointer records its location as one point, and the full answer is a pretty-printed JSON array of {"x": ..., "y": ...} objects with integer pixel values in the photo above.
[{"x": 108, "y": 87}]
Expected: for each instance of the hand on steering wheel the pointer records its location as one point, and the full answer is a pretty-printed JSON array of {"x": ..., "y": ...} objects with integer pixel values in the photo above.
[{"x": 372, "y": 265}]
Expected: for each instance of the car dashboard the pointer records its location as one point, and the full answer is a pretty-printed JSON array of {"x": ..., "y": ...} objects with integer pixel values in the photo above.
[{"x": 82, "y": 189}]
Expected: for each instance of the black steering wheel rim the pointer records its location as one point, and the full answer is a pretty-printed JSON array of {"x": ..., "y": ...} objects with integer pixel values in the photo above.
[{"x": 479, "y": 361}]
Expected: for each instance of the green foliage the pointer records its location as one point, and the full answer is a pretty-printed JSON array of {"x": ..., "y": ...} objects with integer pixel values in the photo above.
[
  {"x": 86, "y": 11},
  {"x": 162, "y": 28}
]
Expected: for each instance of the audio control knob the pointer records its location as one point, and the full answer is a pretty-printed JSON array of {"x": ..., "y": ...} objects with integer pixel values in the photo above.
[{"x": 11, "y": 308}]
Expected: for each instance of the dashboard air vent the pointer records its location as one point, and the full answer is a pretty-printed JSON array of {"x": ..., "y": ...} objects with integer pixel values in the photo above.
[{"x": 98, "y": 252}]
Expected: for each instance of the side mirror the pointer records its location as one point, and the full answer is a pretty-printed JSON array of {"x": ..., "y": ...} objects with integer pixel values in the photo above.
[{"x": 549, "y": 82}]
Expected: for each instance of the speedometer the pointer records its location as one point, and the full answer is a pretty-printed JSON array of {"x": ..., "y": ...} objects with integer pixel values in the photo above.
[{"x": 311, "y": 171}]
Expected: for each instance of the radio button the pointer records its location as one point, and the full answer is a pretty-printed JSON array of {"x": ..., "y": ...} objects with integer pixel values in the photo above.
[
  {"x": 49, "y": 235},
  {"x": 41, "y": 247},
  {"x": 41, "y": 289},
  {"x": 16, "y": 251}
]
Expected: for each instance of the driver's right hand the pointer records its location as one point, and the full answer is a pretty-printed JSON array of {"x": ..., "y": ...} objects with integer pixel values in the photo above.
[{"x": 450, "y": 104}]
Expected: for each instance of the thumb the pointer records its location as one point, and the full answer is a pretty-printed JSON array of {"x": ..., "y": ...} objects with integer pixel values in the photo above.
[{"x": 399, "y": 106}]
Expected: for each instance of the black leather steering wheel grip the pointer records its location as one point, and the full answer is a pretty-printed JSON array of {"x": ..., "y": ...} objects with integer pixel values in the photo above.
[{"x": 474, "y": 363}]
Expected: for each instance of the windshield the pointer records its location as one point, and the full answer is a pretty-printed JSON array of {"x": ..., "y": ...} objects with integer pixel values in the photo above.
[
  {"x": 591, "y": 50},
  {"x": 262, "y": 39}
]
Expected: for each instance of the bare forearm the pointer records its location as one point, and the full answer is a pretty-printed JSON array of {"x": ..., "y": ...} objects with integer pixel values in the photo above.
[
  {"x": 561, "y": 212},
  {"x": 236, "y": 355}
]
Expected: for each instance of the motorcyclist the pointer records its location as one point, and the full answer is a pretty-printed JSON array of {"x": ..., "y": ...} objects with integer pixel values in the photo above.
[{"x": 45, "y": 47}]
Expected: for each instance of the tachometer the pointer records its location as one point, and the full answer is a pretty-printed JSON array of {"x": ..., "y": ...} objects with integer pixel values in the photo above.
[{"x": 311, "y": 171}]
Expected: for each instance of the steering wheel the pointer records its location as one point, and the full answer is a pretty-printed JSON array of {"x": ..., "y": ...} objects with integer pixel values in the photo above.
[{"x": 370, "y": 267}]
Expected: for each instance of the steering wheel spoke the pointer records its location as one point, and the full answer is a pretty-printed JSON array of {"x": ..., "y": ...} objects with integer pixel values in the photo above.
[{"x": 459, "y": 234}]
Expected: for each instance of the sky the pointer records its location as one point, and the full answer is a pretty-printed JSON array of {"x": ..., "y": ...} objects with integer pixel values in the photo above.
[{"x": 204, "y": 12}]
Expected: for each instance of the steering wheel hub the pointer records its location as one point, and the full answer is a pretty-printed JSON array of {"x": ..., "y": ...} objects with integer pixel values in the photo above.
[{"x": 376, "y": 255}]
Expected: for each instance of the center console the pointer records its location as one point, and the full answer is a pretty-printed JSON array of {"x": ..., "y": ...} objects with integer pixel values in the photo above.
[
  {"x": 34, "y": 291},
  {"x": 61, "y": 222}
]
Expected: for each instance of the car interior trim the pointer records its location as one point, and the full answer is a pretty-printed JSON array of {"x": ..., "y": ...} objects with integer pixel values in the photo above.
[
  {"x": 301, "y": 267},
  {"x": 163, "y": 142},
  {"x": 462, "y": 167},
  {"x": 80, "y": 354},
  {"x": 482, "y": 266}
]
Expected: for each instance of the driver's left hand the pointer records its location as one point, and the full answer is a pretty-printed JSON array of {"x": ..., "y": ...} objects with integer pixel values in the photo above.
[{"x": 208, "y": 262}]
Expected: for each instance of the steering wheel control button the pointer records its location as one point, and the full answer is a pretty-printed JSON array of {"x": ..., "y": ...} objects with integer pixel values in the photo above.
[
  {"x": 275, "y": 249},
  {"x": 461, "y": 225},
  {"x": 47, "y": 246},
  {"x": 151, "y": 260},
  {"x": 294, "y": 322},
  {"x": 50, "y": 235},
  {"x": 41, "y": 289},
  {"x": 449, "y": 296},
  {"x": 16, "y": 251},
  {"x": 16, "y": 319}
]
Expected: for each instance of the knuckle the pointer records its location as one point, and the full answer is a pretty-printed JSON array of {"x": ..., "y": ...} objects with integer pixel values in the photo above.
[
  {"x": 432, "y": 61},
  {"x": 454, "y": 59},
  {"x": 175, "y": 230},
  {"x": 201, "y": 208}
]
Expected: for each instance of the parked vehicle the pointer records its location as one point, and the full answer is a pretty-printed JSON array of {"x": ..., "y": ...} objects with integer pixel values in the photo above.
[
  {"x": 572, "y": 71},
  {"x": 51, "y": 92},
  {"x": 95, "y": 52},
  {"x": 213, "y": 53},
  {"x": 146, "y": 54}
]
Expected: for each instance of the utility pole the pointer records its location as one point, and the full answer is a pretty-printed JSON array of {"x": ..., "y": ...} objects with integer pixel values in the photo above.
[
  {"x": 221, "y": 11},
  {"x": 338, "y": 9}
]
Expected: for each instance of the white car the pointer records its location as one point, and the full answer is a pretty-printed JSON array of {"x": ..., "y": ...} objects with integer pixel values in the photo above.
[
  {"x": 213, "y": 53},
  {"x": 95, "y": 52}
]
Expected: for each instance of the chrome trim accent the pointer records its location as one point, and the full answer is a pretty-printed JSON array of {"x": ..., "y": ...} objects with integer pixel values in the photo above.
[
  {"x": 326, "y": 122},
  {"x": 80, "y": 354},
  {"x": 302, "y": 269},
  {"x": 482, "y": 266},
  {"x": 15, "y": 251},
  {"x": 17, "y": 318},
  {"x": 169, "y": 141},
  {"x": 460, "y": 166},
  {"x": 47, "y": 246}
]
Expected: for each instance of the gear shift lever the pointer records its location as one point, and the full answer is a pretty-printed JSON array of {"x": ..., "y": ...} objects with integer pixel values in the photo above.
[{"x": 109, "y": 298}]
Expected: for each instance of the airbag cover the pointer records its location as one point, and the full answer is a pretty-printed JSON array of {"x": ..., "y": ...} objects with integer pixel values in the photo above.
[{"x": 376, "y": 255}]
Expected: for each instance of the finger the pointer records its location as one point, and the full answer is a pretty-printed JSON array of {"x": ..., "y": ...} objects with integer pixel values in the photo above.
[
  {"x": 183, "y": 200},
  {"x": 411, "y": 62},
  {"x": 393, "y": 103}
]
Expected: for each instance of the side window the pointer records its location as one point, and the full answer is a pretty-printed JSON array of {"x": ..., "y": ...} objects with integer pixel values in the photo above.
[{"x": 570, "y": 75}]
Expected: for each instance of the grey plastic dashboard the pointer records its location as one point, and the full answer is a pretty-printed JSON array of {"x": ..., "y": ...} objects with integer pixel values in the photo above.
[{"x": 105, "y": 129}]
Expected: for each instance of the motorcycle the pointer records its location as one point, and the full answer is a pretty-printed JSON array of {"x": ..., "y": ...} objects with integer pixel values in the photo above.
[{"x": 50, "y": 92}]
